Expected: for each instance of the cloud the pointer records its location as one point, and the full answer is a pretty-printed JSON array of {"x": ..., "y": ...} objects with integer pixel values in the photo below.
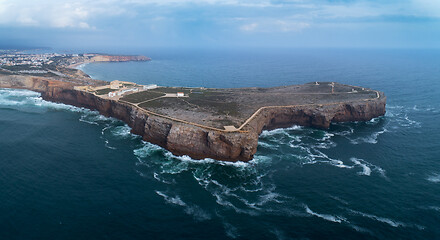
[
  {"x": 249, "y": 27},
  {"x": 55, "y": 14},
  {"x": 269, "y": 25},
  {"x": 292, "y": 26},
  {"x": 429, "y": 8},
  {"x": 193, "y": 20}
]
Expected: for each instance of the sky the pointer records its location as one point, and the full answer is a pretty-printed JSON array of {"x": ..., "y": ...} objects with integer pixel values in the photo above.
[{"x": 220, "y": 23}]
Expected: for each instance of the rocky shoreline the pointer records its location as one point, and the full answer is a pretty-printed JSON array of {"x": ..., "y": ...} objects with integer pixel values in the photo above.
[{"x": 198, "y": 142}]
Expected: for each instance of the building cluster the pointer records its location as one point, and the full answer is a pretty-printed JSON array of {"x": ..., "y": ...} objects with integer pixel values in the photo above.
[
  {"x": 17, "y": 59},
  {"x": 116, "y": 88},
  {"x": 124, "y": 87}
]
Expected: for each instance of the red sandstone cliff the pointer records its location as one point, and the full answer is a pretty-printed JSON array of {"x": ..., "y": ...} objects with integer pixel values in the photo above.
[{"x": 196, "y": 142}]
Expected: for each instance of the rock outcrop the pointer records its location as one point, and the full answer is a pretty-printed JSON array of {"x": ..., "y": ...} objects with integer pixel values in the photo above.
[{"x": 197, "y": 142}]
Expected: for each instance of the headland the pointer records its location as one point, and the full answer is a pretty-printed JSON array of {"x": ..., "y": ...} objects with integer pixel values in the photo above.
[{"x": 222, "y": 124}]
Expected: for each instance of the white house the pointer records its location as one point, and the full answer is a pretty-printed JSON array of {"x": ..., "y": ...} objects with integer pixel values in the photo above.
[
  {"x": 111, "y": 94},
  {"x": 180, "y": 94}
]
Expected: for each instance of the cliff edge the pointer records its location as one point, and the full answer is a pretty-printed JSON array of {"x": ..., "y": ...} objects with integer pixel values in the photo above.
[{"x": 187, "y": 137}]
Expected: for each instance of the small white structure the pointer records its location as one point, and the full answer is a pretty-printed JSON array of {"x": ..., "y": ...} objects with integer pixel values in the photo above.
[
  {"x": 122, "y": 92},
  {"x": 111, "y": 94},
  {"x": 180, "y": 94},
  {"x": 150, "y": 86}
]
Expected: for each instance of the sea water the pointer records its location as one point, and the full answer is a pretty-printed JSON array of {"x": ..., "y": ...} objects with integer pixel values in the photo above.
[{"x": 70, "y": 173}]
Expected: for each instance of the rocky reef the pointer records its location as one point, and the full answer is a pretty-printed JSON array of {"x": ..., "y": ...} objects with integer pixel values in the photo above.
[{"x": 198, "y": 142}]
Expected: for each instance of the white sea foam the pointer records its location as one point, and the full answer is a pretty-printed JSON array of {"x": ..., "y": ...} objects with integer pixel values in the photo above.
[
  {"x": 19, "y": 97},
  {"x": 373, "y": 138},
  {"x": 339, "y": 199},
  {"x": 368, "y": 168},
  {"x": 230, "y": 230},
  {"x": 435, "y": 178},
  {"x": 267, "y": 145},
  {"x": 172, "y": 200},
  {"x": 388, "y": 221},
  {"x": 158, "y": 177},
  {"x": 122, "y": 132},
  {"x": 84, "y": 118},
  {"x": 280, "y": 235},
  {"x": 361, "y": 229},
  {"x": 283, "y": 131},
  {"x": 81, "y": 66},
  {"x": 191, "y": 209},
  {"x": 327, "y": 136},
  {"x": 365, "y": 169},
  {"x": 319, "y": 157},
  {"x": 345, "y": 132},
  {"x": 188, "y": 159},
  {"x": 399, "y": 116},
  {"x": 260, "y": 159},
  {"x": 197, "y": 212},
  {"x": 107, "y": 145},
  {"x": 328, "y": 217},
  {"x": 146, "y": 150},
  {"x": 435, "y": 208}
]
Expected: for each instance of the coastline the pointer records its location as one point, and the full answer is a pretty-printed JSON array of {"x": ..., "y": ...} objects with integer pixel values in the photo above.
[
  {"x": 195, "y": 141},
  {"x": 78, "y": 66}
]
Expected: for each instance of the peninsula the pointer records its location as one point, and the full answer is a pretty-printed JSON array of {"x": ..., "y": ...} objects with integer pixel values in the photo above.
[{"x": 222, "y": 124}]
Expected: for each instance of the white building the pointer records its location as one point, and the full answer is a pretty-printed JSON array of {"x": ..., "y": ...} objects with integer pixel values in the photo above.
[
  {"x": 180, "y": 94},
  {"x": 150, "y": 86},
  {"x": 111, "y": 94},
  {"x": 122, "y": 92}
]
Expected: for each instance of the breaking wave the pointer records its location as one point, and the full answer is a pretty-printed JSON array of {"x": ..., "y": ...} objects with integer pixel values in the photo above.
[
  {"x": 388, "y": 221},
  {"x": 435, "y": 178},
  {"x": 369, "y": 139},
  {"x": 247, "y": 188},
  {"x": 198, "y": 213},
  {"x": 21, "y": 97},
  {"x": 328, "y": 217}
]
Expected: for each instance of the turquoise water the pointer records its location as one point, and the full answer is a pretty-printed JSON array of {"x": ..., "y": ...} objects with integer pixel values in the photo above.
[{"x": 69, "y": 173}]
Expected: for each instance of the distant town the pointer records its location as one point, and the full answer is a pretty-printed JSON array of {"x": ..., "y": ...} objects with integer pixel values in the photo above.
[
  {"x": 54, "y": 64},
  {"x": 38, "y": 61}
]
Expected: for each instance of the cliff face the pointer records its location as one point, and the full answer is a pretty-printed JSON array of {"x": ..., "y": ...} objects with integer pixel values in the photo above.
[
  {"x": 196, "y": 142},
  {"x": 180, "y": 139},
  {"x": 318, "y": 116}
]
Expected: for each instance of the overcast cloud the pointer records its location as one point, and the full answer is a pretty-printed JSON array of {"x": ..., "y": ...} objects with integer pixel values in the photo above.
[{"x": 221, "y": 23}]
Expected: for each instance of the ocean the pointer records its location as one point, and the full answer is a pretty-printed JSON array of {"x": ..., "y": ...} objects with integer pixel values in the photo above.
[{"x": 70, "y": 173}]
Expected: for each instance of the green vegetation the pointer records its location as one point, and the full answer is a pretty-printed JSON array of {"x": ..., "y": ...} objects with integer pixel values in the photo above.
[
  {"x": 173, "y": 90},
  {"x": 104, "y": 91},
  {"x": 141, "y": 96},
  {"x": 217, "y": 101},
  {"x": 220, "y": 107},
  {"x": 213, "y": 102},
  {"x": 163, "y": 103},
  {"x": 20, "y": 67},
  {"x": 3, "y": 72}
]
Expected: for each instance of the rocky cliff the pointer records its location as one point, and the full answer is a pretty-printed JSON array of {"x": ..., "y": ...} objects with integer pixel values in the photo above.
[
  {"x": 197, "y": 142},
  {"x": 114, "y": 58}
]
